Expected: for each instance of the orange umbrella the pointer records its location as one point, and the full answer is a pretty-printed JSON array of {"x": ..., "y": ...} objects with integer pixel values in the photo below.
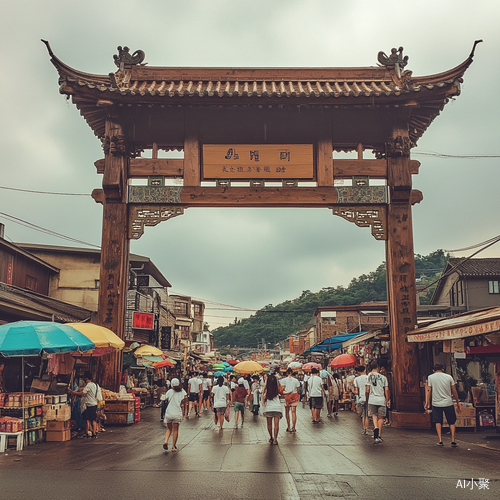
[{"x": 343, "y": 360}]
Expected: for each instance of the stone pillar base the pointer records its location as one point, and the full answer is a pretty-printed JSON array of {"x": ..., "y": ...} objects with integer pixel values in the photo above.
[{"x": 410, "y": 420}]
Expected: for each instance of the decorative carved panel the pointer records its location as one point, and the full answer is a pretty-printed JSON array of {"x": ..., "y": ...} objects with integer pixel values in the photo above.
[
  {"x": 373, "y": 217},
  {"x": 362, "y": 194},
  {"x": 149, "y": 215},
  {"x": 154, "y": 194}
]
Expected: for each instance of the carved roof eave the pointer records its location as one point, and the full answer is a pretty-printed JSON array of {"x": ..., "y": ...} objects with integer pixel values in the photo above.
[{"x": 427, "y": 94}]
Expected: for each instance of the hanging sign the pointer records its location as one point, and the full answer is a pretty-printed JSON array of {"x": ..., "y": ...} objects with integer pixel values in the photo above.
[
  {"x": 258, "y": 161},
  {"x": 143, "y": 320}
]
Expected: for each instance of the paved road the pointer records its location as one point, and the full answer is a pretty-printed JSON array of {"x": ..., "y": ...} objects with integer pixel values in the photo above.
[{"x": 329, "y": 460}]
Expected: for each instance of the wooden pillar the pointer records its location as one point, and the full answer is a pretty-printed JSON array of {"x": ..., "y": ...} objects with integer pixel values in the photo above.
[
  {"x": 192, "y": 167},
  {"x": 324, "y": 155},
  {"x": 401, "y": 289},
  {"x": 113, "y": 282}
]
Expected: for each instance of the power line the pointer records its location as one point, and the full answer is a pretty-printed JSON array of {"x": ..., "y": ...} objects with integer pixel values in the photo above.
[
  {"x": 473, "y": 246},
  {"x": 43, "y": 192},
  {"x": 463, "y": 157},
  {"x": 22, "y": 222}
]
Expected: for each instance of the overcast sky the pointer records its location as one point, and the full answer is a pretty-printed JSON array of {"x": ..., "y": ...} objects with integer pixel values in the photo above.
[{"x": 247, "y": 257}]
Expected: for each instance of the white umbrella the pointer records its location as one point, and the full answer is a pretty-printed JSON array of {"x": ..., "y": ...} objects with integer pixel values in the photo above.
[{"x": 294, "y": 364}]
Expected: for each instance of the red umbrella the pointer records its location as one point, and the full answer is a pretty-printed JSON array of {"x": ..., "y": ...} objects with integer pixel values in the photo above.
[
  {"x": 310, "y": 366},
  {"x": 233, "y": 362},
  {"x": 343, "y": 360},
  {"x": 165, "y": 362}
]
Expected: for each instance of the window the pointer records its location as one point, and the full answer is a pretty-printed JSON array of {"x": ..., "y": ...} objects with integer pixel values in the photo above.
[
  {"x": 31, "y": 283},
  {"x": 181, "y": 308},
  {"x": 493, "y": 287}
]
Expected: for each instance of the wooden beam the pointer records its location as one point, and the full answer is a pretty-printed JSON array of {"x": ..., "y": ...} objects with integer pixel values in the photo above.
[
  {"x": 324, "y": 156},
  {"x": 262, "y": 197},
  {"x": 144, "y": 167},
  {"x": 376, "y": 169}
]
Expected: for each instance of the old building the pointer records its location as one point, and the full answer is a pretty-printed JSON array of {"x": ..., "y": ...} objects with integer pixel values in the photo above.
[{"x": 469, "y": 284}]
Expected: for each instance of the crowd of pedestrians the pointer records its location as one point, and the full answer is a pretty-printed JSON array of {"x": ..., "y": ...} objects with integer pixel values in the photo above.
[{"x": 367, "y": 388}]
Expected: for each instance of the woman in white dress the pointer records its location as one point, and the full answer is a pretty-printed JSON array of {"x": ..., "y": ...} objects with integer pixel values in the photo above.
[{"x": 273, "y": 410}]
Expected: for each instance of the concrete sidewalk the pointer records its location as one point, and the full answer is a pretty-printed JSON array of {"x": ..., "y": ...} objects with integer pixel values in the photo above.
[{"x": 328, "y": 460}]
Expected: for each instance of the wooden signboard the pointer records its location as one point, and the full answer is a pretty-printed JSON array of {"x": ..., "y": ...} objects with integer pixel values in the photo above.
[{"x": 258, "y": 161}]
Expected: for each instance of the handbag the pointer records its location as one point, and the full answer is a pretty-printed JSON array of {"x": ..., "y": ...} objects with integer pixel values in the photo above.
[{"x": 226, "y": 413}]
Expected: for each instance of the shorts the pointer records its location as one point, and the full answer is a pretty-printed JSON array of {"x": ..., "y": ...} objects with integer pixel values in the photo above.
[
  {"x": 206, "y": 395},
  {"x": 90, "y": 413},
  {"x": 173, "y": 420},
  {"x": 362, "y": 409},
  {"x": 374, "y": 410},
  {"x": 272, "y": 414},
  {"x": 317, "y": 402},
  {"x": 194, "y": 396},
  {"x": 449, "y": 411},
  {"x": 239, "y": 406},
  {"x": 222, "y": 409}
]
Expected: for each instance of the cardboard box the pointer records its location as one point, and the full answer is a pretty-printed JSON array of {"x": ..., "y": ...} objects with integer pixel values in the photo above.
[
  {"x": 119, "y": 418},
  {"x": 58, "y": 435},
  {"x": 119, "y": 406},
  {"x": 58, "y": 425}
]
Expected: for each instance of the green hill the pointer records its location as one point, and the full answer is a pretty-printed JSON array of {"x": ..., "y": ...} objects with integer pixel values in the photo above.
[{"x": 275, "y": 323}]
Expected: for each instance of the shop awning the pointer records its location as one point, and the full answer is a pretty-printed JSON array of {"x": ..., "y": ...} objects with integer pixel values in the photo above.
[
  {"x": 330, "y": 344},
  {"x": 361, "y": 337},
  {"x": 481, "y": 322}
]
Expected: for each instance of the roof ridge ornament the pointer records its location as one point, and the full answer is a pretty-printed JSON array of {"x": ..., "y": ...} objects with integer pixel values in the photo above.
[
  {"x": 395, "y": 61},
  {"x": 124, "y": 58}
]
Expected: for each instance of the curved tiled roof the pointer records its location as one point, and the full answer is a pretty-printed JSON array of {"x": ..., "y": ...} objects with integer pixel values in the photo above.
[{"x": 370, "y": 86}]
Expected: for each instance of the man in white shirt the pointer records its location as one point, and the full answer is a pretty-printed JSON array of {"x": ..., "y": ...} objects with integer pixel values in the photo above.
[
  {"x": 316, "y": 393},
  {"x": 195, "y": 389},
  {"x": 440, "y": 390},
  {"x": 291, "y": 392},
  {"x": 206, "y": 385},
  {"x": 377, "y": 394},
  {"x": 360, "y": 391}
]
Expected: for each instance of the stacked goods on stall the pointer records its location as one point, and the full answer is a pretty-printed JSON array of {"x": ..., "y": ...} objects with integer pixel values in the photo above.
[
  {"x": 137, "y": 414},
  {"x": 119, "y": 408},
  {"x": 57, "y": 412},
  {"x": 30, "y": 421}
]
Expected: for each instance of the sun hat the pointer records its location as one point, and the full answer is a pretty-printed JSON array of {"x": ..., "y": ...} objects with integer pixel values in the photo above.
[{"x": 175, "y": 382}]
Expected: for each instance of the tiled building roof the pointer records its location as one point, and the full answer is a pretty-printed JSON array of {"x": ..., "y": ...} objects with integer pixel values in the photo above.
[
  {"x": 164, "y": 86},
  {"x": 476, "y": 267}
]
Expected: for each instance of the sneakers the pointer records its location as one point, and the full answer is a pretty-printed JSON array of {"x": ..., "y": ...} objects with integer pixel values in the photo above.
[
  {"x": 335, "y": 414},
  {"x": 440, "y": 443},
  {"x": 365, "y": 431},
  {"x": 377, "y": 440},
  {"x": 453, "y": 444}
]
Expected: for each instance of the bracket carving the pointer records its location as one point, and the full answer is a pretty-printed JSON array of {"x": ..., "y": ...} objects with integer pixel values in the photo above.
[
  {"x": 362, "y": 216},
  {"x": 149, "y": 215},
  {"x": 399, "y": 146},
  {"x": 116, "y": 145}
]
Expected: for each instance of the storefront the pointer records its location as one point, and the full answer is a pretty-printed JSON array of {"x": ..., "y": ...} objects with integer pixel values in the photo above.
[{"x": 468, "y": 347}]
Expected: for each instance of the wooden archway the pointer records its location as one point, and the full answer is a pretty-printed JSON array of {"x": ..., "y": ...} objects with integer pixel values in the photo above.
[{"x": 273, "y": 129}]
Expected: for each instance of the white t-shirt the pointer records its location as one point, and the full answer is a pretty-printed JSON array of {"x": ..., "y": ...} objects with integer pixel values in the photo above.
[
  {"x": 194, "y": 384},
  {"x": 272, "y": 404},
  {"x": 206, "y": 384},
  {"x": 441, "y": 389},
  {"x": 291, "y": 384},
  {"x": 174, "y": 399},
  {"x": 376, "y": 382},
  {"x": 246, "y": 384},
  {"x": 219, "y": 393},
  {"x": 314, "y": 385},
  {"x": 91, "y": 393},
  {"x": 360, "y": 383}
]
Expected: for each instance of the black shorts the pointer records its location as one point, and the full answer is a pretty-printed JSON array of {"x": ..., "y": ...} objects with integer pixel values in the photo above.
[
  {"x": 449, "y": 411},
  {"x": 90, "y": 413},
  {"x": 317, "y": 402},
  {"x": 206, "y": 395},
  {"x": 194, "y": 396}
]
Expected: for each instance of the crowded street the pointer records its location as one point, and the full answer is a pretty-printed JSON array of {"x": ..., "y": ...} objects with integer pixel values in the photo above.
[{"x": 327, "y": 460}]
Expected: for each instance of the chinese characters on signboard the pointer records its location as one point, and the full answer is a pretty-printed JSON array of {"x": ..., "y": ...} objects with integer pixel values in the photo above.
[
  {"x": 258, "y": 161},
  {"x": 143, "y": 320}
]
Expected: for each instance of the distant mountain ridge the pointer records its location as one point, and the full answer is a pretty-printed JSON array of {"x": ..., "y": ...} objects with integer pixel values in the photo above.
[{"x": 276, "y": 323}]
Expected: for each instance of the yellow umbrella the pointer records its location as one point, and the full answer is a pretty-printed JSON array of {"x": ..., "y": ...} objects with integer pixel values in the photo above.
[
  {"x": 147, "y": 350},
  {"x": 100, "y": 336},
  {"x": 247, "y": 367}
]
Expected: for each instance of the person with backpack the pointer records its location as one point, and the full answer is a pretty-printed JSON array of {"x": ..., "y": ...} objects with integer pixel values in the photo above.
[{"x": 176, "y": 401}]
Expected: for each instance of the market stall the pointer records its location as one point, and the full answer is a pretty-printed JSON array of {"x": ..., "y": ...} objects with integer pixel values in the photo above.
[{"x": 468, "y": 346}]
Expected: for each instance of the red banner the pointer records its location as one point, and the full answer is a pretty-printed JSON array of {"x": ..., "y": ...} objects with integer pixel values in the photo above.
[{"x": 143, "y": 320}]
